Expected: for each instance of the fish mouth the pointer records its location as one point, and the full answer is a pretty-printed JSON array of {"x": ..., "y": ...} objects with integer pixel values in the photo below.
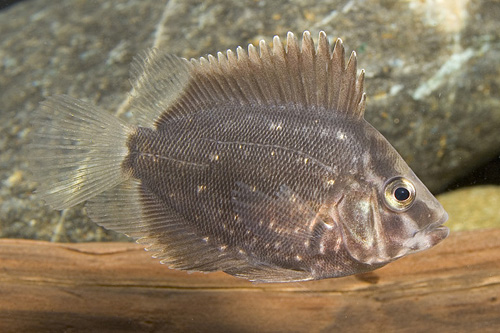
[
  {"x": 429, "y": 236},
  {"x": 437, "y": 231}
]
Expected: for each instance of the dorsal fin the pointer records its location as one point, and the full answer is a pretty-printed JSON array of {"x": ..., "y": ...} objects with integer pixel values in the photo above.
[
  {"x": 315, "y": 77},
  {"x": 158, "y": 80}
]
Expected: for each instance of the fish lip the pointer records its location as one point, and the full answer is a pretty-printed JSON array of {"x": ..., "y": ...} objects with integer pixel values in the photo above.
[
  {"x": 436, "y": 225},
  {"x": 435, "y": 231},
  {"x": 427, "y": 237}
]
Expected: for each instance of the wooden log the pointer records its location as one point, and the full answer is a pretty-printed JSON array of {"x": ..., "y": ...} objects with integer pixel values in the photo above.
[{"x": 117, "y": 287}]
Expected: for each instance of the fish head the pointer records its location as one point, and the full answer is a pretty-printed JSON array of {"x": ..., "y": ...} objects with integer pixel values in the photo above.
[{"x": 384, "y": 211}]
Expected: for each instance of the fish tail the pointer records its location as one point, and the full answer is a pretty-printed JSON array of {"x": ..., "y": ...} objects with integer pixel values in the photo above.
[{"x": 76, "y": 152}]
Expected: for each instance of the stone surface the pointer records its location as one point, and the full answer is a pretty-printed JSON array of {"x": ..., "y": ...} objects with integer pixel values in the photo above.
[
  {"x": 472, "y": 208},
  {"x": 432, "y": 75}
]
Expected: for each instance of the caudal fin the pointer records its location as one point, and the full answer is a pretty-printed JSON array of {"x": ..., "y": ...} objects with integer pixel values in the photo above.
[{"x": 76, "y": 152}]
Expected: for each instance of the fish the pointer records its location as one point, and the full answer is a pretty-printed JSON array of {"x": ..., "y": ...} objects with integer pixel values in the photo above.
[{"x": 258, "y": 163}]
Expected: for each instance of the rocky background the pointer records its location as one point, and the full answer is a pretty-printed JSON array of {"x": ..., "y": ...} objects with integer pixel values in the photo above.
[{"x": 432, "y": 79}]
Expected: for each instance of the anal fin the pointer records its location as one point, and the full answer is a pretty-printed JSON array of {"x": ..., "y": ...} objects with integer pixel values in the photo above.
[
  {"x": 158, "y": 79},
  {"x": 283, "y": 213},
  {"x": 269, "y": 274},
  {"x": 132, "y": 209}
]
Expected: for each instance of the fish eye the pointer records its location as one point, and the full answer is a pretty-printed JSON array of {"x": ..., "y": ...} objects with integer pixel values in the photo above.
[{"x": 399, "y": 194}]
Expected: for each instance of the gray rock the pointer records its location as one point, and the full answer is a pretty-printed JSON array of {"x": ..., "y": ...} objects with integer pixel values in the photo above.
[{"x": 432, "y": 75}]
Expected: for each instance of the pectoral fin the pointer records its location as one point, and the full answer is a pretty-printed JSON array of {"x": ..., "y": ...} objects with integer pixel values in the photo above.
[
  {"x": 286, "y": 230},
  {"x": 282, "y": 216}
]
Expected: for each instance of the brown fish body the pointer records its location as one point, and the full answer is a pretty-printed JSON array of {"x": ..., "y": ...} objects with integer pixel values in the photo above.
[
  {"x": 260, "y": 165},
  {"x": 212, "y": 176}
]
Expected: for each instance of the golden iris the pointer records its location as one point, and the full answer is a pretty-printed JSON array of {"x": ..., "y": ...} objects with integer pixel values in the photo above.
[{"x": 399, "y": 194}]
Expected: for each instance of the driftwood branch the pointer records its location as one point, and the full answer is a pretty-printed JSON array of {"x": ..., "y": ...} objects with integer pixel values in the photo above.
[{"x": 118, "y": 287}]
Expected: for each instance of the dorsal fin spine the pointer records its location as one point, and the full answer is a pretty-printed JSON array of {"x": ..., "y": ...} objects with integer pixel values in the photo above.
[
  {"x": 267, "y": 71},
  {"x": 293, "y": 62},
  {"x": 316, "y": 78},
  {"x": 224, "y": 61},
  {"x": 360, "y": 94},
  {"x": 200, "y": 92},
  {"x": 213, "y": 87},
  {"x": 322, "y": 63},
  {"x": 350, "y": 84},
  {"x": 212, "y": 83},
  {"x": 232, "y": 64},
  {"x": 249, "y": 85},
  {"x": 279, "y": 60},
  {"x": 256, "y": 67},
  {"x": 308, "y": 56}
]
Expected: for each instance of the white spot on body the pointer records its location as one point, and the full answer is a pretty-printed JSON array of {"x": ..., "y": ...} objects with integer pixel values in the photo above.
[
  {"x": 341, "y": 135},
  {"x": 275, "y": 126},
  {"x": 337, "y": 244},
  {"x": 324, "y": 132},
  {"x": 201, "y": 188},
  {"x": 298, "y": 258},
  {"x": 364, "y": 207},
  {"x": 214, "y": 157},
  {"x": 366, "y": 159}
]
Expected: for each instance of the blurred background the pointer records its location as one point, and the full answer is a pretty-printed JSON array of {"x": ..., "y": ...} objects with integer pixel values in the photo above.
[{"x": 432, "y": 81}]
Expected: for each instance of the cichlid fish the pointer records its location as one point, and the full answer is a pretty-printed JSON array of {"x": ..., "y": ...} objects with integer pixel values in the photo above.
[{"x": 257, "y": 163}]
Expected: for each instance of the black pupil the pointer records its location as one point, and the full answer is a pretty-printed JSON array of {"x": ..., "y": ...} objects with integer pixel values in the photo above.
[{"x": 401, "y": 194}]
